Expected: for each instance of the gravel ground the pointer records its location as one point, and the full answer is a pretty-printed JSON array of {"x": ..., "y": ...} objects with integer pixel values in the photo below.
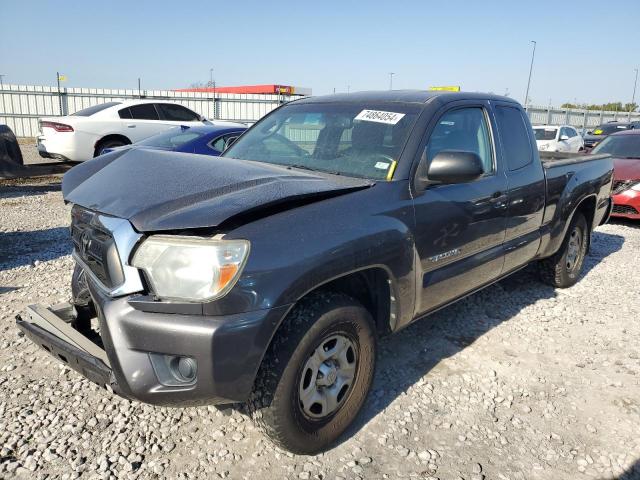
[
  {"x": 30, "y": 155},
  {"x": 516, "y": 382}
]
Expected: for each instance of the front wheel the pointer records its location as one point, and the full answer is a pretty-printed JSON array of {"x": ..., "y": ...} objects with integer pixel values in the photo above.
[
  {"x": 316, "y": 374},
  {"x": 563, "y": 269}
]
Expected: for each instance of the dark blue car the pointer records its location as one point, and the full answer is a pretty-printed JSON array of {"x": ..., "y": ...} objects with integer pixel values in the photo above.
[{"x": 203, "y": 139}]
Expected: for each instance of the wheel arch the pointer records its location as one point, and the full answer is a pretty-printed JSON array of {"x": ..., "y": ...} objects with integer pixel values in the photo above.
[{"x": 110, "y": 136}]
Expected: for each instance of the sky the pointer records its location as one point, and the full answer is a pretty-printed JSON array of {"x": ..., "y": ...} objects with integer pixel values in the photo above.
[{"x": 586, "y": 51}]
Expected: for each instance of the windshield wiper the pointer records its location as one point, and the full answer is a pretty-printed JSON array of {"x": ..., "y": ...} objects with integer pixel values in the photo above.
[
  {"x": 301, "y": 167},
  {"x": 304, "y": 167}
]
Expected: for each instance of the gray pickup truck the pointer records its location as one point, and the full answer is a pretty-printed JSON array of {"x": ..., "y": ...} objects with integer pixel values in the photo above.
[{"x": 266, "y": 276}]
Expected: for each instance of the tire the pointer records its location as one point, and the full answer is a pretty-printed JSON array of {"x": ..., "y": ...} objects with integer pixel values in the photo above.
[
  {"x": 288, "y": 373},
  {"x": 563, "y": 269},
  {"x": 112, "y": 143}
]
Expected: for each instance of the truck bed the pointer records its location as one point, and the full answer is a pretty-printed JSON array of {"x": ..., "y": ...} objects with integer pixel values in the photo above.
[{"x": 551, "y": 159}]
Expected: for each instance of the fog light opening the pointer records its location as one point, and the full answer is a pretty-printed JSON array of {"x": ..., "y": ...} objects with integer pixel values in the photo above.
[
  {"x": 174, "y": 370},
  {"x": 184, "y": 368}
]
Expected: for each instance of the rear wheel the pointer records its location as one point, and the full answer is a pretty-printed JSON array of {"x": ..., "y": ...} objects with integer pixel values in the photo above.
[
  {"x": 316, "y": 374},
  {"x": 563, "y": 269},
  {"x": 110, "y": 143}
]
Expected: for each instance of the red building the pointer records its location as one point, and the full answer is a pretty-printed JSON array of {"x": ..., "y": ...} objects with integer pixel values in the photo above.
[{"x": 253, "y": 89}]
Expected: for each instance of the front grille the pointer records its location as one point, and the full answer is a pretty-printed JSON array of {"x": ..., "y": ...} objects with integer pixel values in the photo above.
[
  {"x": 96, "y": 247},
  {"x": 624, "y": 210},
  {"x": 620, "y": 186}
]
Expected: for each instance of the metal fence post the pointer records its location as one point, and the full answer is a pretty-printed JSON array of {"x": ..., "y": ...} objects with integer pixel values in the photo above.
[{"x": 64, "y": 102}]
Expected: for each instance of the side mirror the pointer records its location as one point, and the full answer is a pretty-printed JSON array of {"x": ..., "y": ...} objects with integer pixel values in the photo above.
[
  {"x": 230, "y": 142},
  {"x": 564, "y": 137},
  {"x": 452, "y": 166}
]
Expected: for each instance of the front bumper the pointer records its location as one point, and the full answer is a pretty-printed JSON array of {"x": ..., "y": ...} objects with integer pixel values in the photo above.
[
  {"x": 226, "y": 349},
  {"x": 627, "y": 205}
]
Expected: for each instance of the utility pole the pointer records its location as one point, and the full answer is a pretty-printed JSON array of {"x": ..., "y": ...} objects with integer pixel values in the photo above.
[
  {"x": 391, "y": 74},
  {"x": 59, "y": 93},
  {"x": 533, "y": 54},
  {"x": 2, "y": 92},
  {"x": 633, "y": 97},
  {"x": 348, "y": 88},
  {"x": 139, "y": 89}
]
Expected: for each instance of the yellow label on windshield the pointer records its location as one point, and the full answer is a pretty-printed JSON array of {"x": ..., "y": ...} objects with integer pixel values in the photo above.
[
  {"x": 597, "y": 131},
  {"x": 391, "y": 170}
]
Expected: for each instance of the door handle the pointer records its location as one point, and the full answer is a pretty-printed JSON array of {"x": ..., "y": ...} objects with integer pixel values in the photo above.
[
  {"x": 131, "y": 125},
  {"x": 499, "y": 200}
]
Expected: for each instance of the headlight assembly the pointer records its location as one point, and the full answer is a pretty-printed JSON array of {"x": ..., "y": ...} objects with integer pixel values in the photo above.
[{"x": 191, "y": 268}]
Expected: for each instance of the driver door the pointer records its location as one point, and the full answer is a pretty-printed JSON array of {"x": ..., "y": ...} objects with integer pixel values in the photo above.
[{"x": 460, "y": 228}]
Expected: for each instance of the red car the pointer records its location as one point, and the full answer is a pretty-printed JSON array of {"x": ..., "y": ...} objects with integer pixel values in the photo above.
[{"x": 624, "y": 147}]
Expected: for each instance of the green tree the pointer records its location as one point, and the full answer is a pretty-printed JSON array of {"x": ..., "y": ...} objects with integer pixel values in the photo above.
[{"x": 611, "y": 106}]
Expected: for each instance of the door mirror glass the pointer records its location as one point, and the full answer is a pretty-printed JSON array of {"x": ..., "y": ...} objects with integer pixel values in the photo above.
[
  {"x": 451, "y": 166},
  {"x": 230, "y": 141}
]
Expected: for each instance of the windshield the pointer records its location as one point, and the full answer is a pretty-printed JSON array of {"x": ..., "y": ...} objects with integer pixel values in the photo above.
[
  {"x": 87, "y": 112},
  {"x": 358, "y": 140},
  {"x": 545, "y": 133},
  {"x": 622, "y": 146},
  {"x": 608, "y": 129},
  {"x": 172, "y": 138}
]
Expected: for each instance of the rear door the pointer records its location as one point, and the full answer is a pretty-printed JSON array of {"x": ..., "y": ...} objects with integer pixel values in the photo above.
[
  {"x": 460, "y": 228},
  {"x": 575, "y": 140},
  {"x": 526, "y": 184},
  {"x": 140, "y": 121}
]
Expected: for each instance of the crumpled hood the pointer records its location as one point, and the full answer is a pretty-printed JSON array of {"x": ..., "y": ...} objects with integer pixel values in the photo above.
[{"x": 159, "y": 191}]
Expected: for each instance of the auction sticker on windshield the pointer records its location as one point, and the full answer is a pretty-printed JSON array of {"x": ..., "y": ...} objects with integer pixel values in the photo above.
[{"x": 390, "y": 118}]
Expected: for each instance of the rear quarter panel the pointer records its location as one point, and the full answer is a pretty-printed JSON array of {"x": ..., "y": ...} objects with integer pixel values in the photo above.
[{"x": 569, "y": 183}]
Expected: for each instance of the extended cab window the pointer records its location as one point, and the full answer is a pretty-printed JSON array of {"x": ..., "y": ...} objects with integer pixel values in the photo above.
[
  {"x": 466, "y": 130},
  {"x": 177, "y": 113},
  {"x": 515, "y": 138},
  {"x": 144, "y": 111},
  {"x": 352, "y": 139}
]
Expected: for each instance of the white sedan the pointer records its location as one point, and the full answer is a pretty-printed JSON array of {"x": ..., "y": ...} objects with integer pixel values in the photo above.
[
  {"x": 86, "y": 133},
  {"x": 558, "y": 138}
]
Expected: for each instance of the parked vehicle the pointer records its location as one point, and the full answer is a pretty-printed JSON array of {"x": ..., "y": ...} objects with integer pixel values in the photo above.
[
  {"x": 560, "y": 138},
  {"x": 86, "y": 133},
  {"x": 267, "y": 275},
  {"x": 592, "y": 138},
  {"x": 624, "y": 147},
  {"x": 10, "y": 154},
  {"x": 203, "y": 139}
]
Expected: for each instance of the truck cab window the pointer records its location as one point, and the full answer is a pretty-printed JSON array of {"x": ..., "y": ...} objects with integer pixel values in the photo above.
[
  {"x": 464, "y": 129},
  {"x": 516, "y": 145}
]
